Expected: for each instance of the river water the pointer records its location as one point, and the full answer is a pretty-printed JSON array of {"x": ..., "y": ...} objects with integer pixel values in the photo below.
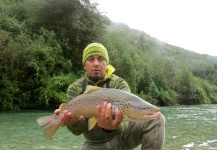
[{"x": 188, "y": 128}]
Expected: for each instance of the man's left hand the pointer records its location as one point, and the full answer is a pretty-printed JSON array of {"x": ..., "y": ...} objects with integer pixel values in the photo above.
[{"x": 105, "y": 119}]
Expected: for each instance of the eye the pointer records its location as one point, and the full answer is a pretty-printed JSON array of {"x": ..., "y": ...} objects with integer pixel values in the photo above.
[
  {"x": 90, "y": 58},
  {"x": 101, "y": 58}
]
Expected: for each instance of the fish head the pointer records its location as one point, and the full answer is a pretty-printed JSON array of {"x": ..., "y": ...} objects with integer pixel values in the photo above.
[{"x": 141, "y": 111}]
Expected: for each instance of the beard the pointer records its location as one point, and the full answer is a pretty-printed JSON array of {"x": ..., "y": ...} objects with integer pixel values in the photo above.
[{"x": 96, "y": 79}]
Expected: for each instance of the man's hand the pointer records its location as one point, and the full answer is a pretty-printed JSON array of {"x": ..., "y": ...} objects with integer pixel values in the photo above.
[
  {"x": 67, "y": 118},
  {"x": 104, "y": 117}
]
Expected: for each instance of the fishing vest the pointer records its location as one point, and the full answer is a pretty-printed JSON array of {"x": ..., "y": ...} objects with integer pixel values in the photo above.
[{"x": 84, "y": 84}]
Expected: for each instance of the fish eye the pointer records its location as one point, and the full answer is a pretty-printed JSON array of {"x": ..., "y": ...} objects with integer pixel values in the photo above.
[{"x": 144, "y": 108}]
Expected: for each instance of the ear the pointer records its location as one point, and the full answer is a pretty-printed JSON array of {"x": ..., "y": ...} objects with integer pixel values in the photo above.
[{"x": 84, "y": 68}]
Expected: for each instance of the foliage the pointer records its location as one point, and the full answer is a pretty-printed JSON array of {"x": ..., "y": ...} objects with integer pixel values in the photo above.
[
  {"x": 77, "y": 21},
  {"x": 27, "y": 65}
]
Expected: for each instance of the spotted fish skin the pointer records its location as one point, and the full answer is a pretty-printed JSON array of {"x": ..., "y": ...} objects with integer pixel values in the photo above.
[{"x": 131, "y": 106}]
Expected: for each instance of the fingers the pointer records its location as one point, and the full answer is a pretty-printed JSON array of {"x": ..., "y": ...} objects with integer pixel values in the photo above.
[
  {"x": 98, "y": 112},
  {"x": 57, "y": 111},
  {"x": 105, "y": 119},
  {"x": 68, "y": 119},
  {"x": 108, "y": 112},
  {"x": 102, "y": 114},
  {"x": 109, "y": 122},
  {"x": 65, "y": 118},
  {"x": 81, "y": 117},
  {"x": 118, "y": 118}
]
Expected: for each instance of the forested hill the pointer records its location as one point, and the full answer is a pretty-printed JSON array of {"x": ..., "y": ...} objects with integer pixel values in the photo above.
[
  {"x": 41, "y": 45},
  {"x": 160, "y": 72},
  {"x": 151, "y": 46}
]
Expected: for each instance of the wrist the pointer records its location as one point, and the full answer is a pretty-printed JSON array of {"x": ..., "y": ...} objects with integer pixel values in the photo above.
[{"x": 107, "y": 131}]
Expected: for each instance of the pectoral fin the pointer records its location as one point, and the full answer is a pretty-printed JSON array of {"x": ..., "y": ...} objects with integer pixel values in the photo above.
[
  {"x": 126, "y": 119},
  {"x": 91, "y": 123}
]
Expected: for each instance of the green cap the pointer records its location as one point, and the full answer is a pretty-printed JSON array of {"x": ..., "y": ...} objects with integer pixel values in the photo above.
[{"x": 95, "y": 49}]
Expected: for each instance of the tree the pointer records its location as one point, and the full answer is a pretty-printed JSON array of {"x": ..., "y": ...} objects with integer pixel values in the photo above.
[{"x": 77, "y": 21}]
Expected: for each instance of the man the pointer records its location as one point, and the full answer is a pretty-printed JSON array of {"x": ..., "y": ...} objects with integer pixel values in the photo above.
[{"x": 109, "y": 133}]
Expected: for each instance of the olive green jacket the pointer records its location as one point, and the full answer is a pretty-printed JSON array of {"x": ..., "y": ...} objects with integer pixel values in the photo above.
[{"x": 75, "y": 89}]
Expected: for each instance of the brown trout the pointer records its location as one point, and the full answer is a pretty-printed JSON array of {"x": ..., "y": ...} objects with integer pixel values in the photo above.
[{"x": 131, "y": 106}]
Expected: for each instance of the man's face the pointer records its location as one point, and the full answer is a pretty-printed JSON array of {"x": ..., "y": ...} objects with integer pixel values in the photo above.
[{"x": 95, "y": 67}]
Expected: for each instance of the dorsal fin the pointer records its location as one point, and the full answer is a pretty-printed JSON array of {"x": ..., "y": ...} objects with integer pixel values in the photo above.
[
  {"x": 61, "y": 105},
  {"x": 91, "y": 88}
]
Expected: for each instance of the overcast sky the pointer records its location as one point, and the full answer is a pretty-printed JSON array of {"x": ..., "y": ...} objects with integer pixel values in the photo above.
[{"x": 190, "y": 24}]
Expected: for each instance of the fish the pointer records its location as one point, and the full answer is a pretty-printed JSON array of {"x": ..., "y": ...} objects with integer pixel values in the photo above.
[{"x": 132, "y": 107}]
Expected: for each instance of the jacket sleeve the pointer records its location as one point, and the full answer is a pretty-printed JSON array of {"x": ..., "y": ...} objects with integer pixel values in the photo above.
[
  {"x": 78, "y": 128},
  {"x": 122, "y": 85},
  {"x": 73, "y": 91}
]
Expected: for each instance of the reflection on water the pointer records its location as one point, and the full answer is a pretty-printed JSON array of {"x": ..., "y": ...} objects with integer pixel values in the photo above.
[{"x": 188, "y": 127}]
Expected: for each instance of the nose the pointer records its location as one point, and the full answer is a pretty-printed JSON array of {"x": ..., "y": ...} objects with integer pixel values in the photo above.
[{"x": 96, "y": 62}]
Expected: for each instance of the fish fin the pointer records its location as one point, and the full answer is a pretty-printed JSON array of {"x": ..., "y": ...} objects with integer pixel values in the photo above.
[
  {"x": 126, "y": 119},
  {"x": 127, "y": 112},
  {"x": 49, "y": 125},
  {"x": 91, "y": 88},
  {"x": 61, "y": 105},
  {"x": 91, "y": 123}
]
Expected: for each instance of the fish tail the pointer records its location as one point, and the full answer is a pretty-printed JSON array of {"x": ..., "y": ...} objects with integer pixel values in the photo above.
[{"x": 49, "y": 125}]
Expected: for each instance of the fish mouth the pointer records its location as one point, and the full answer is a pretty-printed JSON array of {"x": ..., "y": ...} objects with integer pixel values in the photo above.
[{"x": 153, "y": 115}]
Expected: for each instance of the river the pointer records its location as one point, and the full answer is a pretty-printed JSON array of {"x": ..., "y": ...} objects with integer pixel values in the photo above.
[{"x": 188, "y": 128}]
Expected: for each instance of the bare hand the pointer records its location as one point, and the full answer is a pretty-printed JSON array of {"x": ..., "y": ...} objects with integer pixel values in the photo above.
[
  {"x": 67, "y": 118},
  {"x": 105, "y": 119}
]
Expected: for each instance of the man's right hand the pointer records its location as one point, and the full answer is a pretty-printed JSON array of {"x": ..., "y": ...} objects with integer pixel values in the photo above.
[{"x": 67, "y": 118}]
